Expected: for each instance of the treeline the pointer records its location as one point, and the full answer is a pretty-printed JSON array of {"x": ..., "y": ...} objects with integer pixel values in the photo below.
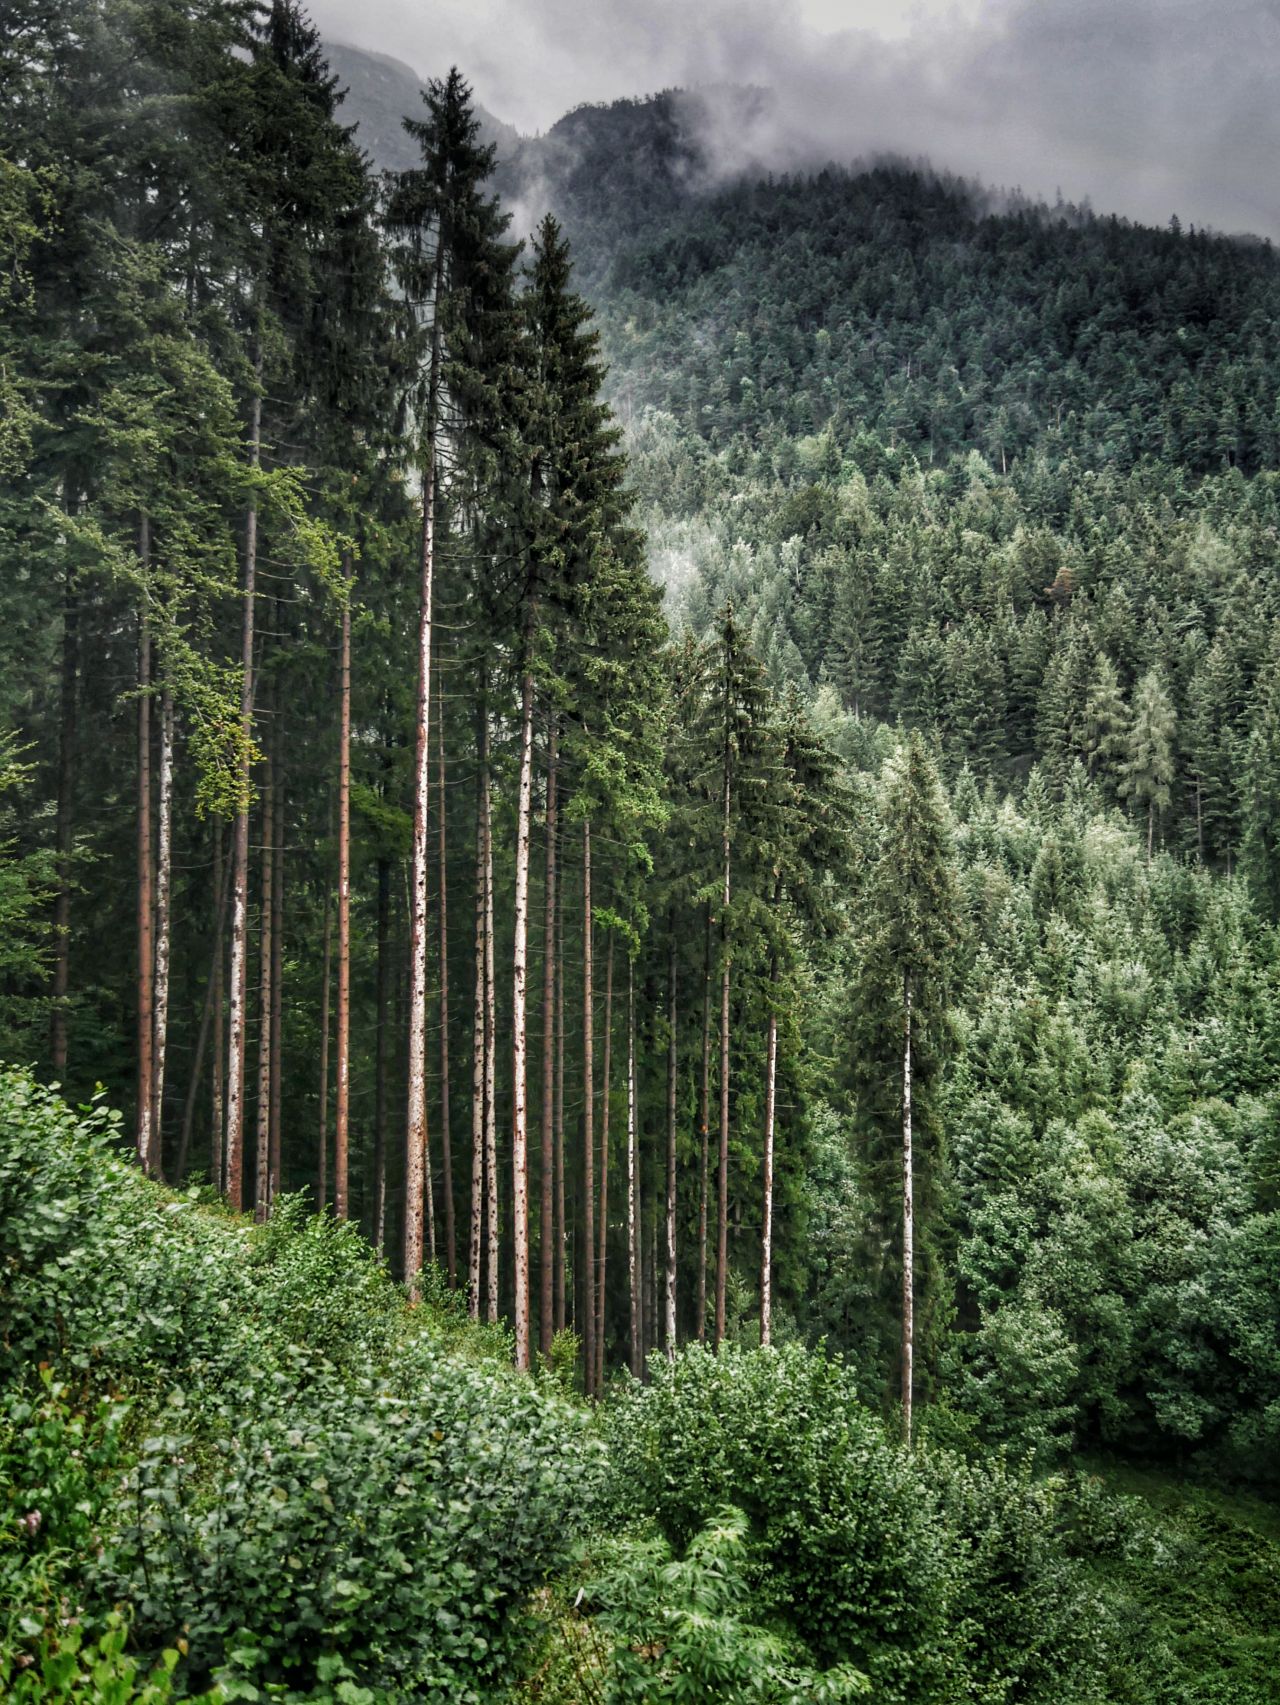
[{"x": 358, "y": 811}]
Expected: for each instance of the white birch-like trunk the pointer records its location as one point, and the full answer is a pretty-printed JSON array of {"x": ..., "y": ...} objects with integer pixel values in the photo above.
[
  {"x": 669, "y": 1324},
  {"x": 164, "y": 886},
  {"x": 519, "y": 1032},
  {"x": 490, "y": 1065},
  {"x": 146, "y": 916},
  {"x": 262, "y": 1192},
  {"x": 908, "y": 1223},
  {"x": 342, "y": 1097},
  {"x": 633, "y": 1227}
]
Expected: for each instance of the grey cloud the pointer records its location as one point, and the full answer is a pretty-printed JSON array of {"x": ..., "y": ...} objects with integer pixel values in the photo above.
[{"x": 1144, "y": 107}]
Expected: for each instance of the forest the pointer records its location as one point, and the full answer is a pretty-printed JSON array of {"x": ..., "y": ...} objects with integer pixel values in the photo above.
[{"x": 639, "y": 907}]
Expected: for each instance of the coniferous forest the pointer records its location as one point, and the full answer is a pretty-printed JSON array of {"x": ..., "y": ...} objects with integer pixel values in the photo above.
[{"x": 639, "y": 907}]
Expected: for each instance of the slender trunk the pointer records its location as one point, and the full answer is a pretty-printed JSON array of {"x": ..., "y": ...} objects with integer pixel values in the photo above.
[
  {"x": 722, "y": 1177},
  {"x": 326, "y": 981},
  {"x": 1151, "y": 828},
  {"x": 490, "y": 1059},
  {"x": 770, "y": 1101},
  {"x": 908, "y": 1221},
  {"x": 239, "y": 990},
  {"x": 146, "y": 903},
  {"x": 546, "y": 1257},
  {"x": 262, "y": 1194},
  {"x": 633, "y": 1181},
  {"x": 380, "y": 1057},
  {"x": 417, "y": 1172},
  {"x": 588, "y": 1125},
  {"x": 64, "y": 824},
  {"x": 669, "y": 1326},
  {"x": 476, "y": 1244},
  {"x": 446, "y": 1131},
  {"x": 519, "y": 1029},
  {"x": 704, "y": 1136},
  {"x": 561, "y": 1227},
  {"x": 1199, "y": 823},
  {"x": 604, "y": 1165},
  {"x": 212, "y": 994},
  {"x": 164, "y": 881},
  {"x": 342, "y": 1094},
  {"x": 652, "y": 1330},
  {"x": 277, "y": 973},
  {"x": 222, "y": 882}
]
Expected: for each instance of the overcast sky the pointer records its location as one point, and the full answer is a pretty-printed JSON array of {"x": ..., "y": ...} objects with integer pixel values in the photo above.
[{"x": 1145, "y": 107}]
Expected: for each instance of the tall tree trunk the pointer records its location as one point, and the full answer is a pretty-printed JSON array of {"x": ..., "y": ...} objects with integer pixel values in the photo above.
[
  {"x": 276, "y": 1108},
  {"x": 417, "y": 1172},
  {"x": 519, "y": 1026},
  {"x": 237, "y": 1017},
  {"x": 326, "y": 981},
  {"x": 633, "y": 1181},
  {"x": 561, "y": 1236},
  {"x": 908, "y": 1221},
  {"x": 446, "y": 1128},
  {"x": 217, "y": 1135},
  {"x": 1151, "y": 828},
  {"x": 722, "y": 1175},
  {"x": 588, "y": 1124},
  {"x": 546, "y": 1238},
  {"x": 146, "y": 900},
  {"x": 212, "y": 999},
  {"x": 490, "y": 1059},
  {"x": 704, "y": 1136},
  {"x": 669, "y": 1325},
  {"x": 604, "y": 1165},
  {"x": 164, "y": 880},
  {"x": 342, "y": 1096},
  {"x": 475, "y": 1249},
  {"x": 770, "y": 1102},
  {"x": 262, "y": 1194},
  {"x": 64, "y": 823},
  {"x": 380, "y": 1056}
]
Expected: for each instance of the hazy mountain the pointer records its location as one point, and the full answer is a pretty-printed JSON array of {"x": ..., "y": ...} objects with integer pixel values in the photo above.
[{"x": 381, "y": 92}]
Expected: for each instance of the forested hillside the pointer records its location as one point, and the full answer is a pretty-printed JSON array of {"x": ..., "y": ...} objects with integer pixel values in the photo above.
[{"x": 700, "y": 793}]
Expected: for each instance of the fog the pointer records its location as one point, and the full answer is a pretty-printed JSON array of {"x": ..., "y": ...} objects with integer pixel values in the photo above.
[{"x": 1143, "y": 107}]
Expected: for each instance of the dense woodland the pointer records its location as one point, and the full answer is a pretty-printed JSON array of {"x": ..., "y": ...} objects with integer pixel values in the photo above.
[{"x": 684, "y": 812}]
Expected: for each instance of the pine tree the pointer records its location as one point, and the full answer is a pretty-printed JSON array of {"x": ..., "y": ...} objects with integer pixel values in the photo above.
[{"x": 1146, "y": 776}]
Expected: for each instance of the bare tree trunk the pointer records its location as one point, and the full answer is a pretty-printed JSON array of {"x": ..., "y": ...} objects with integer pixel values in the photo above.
[
  {"x": 588, "y": 1125},
  {"x": 546, "y": 1255},
  {"x": 63, "y": 829},
  {"x": 379, "y": 1217},
  {"x": 237, "y": 1039},
  {"x": 342, "y": 1094},
  {"x": 478, "y": 1057},
  {"x": 770, "y": 1102},
  {"x": 217, "y": 1149},
  {"x": 670, "y": 1317},
  {"x": 604, "y": 1165},
  {"x": 417, "y": 1172},
  {"x": 490, "y": 1061},
  {"x": 262, "y": 1195},
  {"x": 146, "y": 902},
  {"x": 212, "y": 998},
  {"x": 519, "y": 1031},
  {"x": 908, "y": 1222},
  {"x": 164, "y": 881},
  {"x": 633, "y": 1181},
  {"x": 277, "y": 971},
  {"x": 722, "y": 1178},
  {"x": 561, "y": 1234},
  {"x": 446, "y": 1130},
  {"x": 704, "y": 1134},
  {"x": 326, "y": 979}
]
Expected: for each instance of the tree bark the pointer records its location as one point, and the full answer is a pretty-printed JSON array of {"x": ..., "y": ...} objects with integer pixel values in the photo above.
[
  {"x": 262, "y": 1192},
  {"x": 417, "y": 1181},
  {"x": 212, "y": 1000},
  {"x": 519, "y": 1030},
  {"x": 342, "y": 1095},
  {"x": 446, "y": 1131},
  {"x": 217, "y": 1150},
  {"x": 561, "y": 1226},
  {"x": 588, "y": 1125},
  {"x": 669, "y": 1324},
  {"x": 722, "y": 1176},
  {"x": 908, "y": 1222},
  {"x": 770, "y": 1102},
  {"x": 64, "y": 824},
  {"x": 633, "y": 1182},
  {"x": 475, "y": 1251},
  {"x": 604, "y": 1165},
  {"x": 146, "y": 901},
  {"x": 490, "y": 1059},
  {"x": 704, "y": 1136},
  {"x": 380, "y": 1057},
  {"x": 164, "y": 880},
  {"x": 326, "y": 979},
  {"x": 546, "y": 1255},
  {"x": 277, "y": 970},
  {"x": 237, "y": 1042}
]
